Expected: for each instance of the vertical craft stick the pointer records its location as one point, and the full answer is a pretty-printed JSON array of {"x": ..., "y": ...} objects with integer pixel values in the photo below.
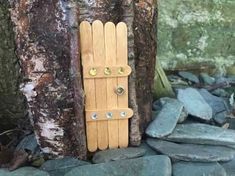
[
  {"x": 110, "y": 53},
  {"x": 122, "y": 59},
  {"x": 100, "y": 83},
  {"x": 89, "y": 84}
]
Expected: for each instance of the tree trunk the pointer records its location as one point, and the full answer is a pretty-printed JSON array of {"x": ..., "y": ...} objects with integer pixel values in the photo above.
[
  {"x": 145, "y": 57},
  {"x": 48, "y": 47},
  {"x": 12, "y": 102}
]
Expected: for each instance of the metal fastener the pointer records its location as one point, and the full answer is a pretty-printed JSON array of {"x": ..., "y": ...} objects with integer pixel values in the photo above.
[
  {"x": 94, "y": 116},
  {"x": 120, "y": 90},
  {"x": 109, "y": 115},
  {"x": 93, "y": 72},
  {"x": 107, "y": 71},
  {"x": 121, "y": 70},
  {"x": 123, "y": 114}
]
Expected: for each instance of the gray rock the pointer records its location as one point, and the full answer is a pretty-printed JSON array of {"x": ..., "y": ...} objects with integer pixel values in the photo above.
[
  {"x": 198, "y": 169},
  {"x": 220, "y": 93},
  {"x": 28, "y": 143},
  {"x": 59, "y": 167},
  {"x": 24, "y": 171},
  {"x": 231, "y": 123},
  {"x": 149, "y": 150},
  {"x": 216, "y": 103},
  {"x": 183, "y": 116},
  {"x": 231, "y": 79},
  {"x": 158, "y": 105},
  {"x": 145, "y": 166},
  {"x": 117, "y": 154},
  {"x": 229, "y": 167},
  {"x": 206, "y": 79},
  {"x": 220, "y": 80},
  {"x": 197, "y": 133},
  {"x": 195, "y": 103},
  {"x": 221, "y": 118},
  {"x": 166, "y": 120},
  {"x": 189, "y": 76},
  {"x": 192, "y": 152}
]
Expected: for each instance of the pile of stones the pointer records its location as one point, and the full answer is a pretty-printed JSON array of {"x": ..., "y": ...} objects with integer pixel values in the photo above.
[{"x": 191, "y": 134}]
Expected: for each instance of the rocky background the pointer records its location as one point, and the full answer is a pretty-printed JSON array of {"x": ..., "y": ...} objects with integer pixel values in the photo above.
[
  {"x": 194, "y": 132},
  {"x": 196, "y": 34}
]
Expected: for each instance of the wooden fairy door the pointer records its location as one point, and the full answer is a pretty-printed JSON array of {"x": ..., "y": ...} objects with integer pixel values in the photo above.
[{"x": 105, "y": 77}]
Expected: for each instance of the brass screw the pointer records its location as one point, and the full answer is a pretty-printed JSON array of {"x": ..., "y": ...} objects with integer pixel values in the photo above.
[
  {"x": 107, "y": 71},
  {"x": 121, "y": 70},
  {"x": 120, "y": 90},
  {"x": 93, "y": 72}
]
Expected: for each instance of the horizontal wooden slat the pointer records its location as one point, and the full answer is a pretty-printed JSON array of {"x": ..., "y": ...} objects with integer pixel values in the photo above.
[
  {"x": 111, "y": 71},
  {"x": 102, "y": 114}
]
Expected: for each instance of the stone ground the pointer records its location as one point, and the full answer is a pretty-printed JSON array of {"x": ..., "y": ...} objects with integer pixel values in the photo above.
[{"x": 191, "y": 134}]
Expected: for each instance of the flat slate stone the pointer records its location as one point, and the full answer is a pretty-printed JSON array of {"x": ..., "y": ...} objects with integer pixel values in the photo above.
[
  {"x": 216, "y": 103},
  {"x": 146, "y": 166},
  {"x": 149, "y": 150},
  {"x": 220, "y": 93},
  {"x": 159, "y": 104},
  {"x": 198, "y": 169},
  {"x": 198, "y": 133},
  {"x": 24, "y": 171},
  {"x": 29, "y": 143},
  {"x": 189, "y": 76},
  {"x": 221, "y": 118},
  {"x": 59, "y": 167},
  {"x": 166, "y": 119},
  {"x": 118, "y": 154},
  {"x": 206, "y": 79},
  {"x": 229, "y": 167},
  {"x": 195, "y": 103},
  {"x": 192, "y": 152}
]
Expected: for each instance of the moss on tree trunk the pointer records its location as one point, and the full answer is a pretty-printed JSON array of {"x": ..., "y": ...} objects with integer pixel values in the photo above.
[{"x": 12, "y": 105}]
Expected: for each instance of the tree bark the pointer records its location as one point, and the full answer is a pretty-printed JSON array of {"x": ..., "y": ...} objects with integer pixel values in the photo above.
[
  {"x": 48, "y": 47},
  {"x": 12, "y": 102},
  {"x": 145, "y": 57}
]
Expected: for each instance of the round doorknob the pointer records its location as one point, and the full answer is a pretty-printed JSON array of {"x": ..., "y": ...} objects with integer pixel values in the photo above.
[{"x": 120, "y": 90}]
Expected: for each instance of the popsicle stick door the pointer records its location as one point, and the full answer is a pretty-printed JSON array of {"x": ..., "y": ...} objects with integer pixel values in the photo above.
[{"x": 105, "y": 76}]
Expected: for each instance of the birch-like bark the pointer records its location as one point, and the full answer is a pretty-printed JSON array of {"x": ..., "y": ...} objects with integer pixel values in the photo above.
[{"x": 48, "y": 50}]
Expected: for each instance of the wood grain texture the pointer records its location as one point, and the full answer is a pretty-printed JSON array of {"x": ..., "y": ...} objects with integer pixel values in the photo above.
[
  {"x": 110, "y": 54},
  {"x": 122, "y": 59},
  {"x": 100, "y": 83},
  {"x": 89, "y": 84},
  {"x": 104, "y": 47}
]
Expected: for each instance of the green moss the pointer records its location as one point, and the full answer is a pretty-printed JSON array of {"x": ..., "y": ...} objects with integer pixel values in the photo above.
[
  {"x": 192, "y": 32},
  {"x": 12, "y": 105}
]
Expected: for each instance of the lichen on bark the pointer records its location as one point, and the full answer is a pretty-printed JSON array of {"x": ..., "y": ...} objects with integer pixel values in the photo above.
[{"x": 44, "y": 48}]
